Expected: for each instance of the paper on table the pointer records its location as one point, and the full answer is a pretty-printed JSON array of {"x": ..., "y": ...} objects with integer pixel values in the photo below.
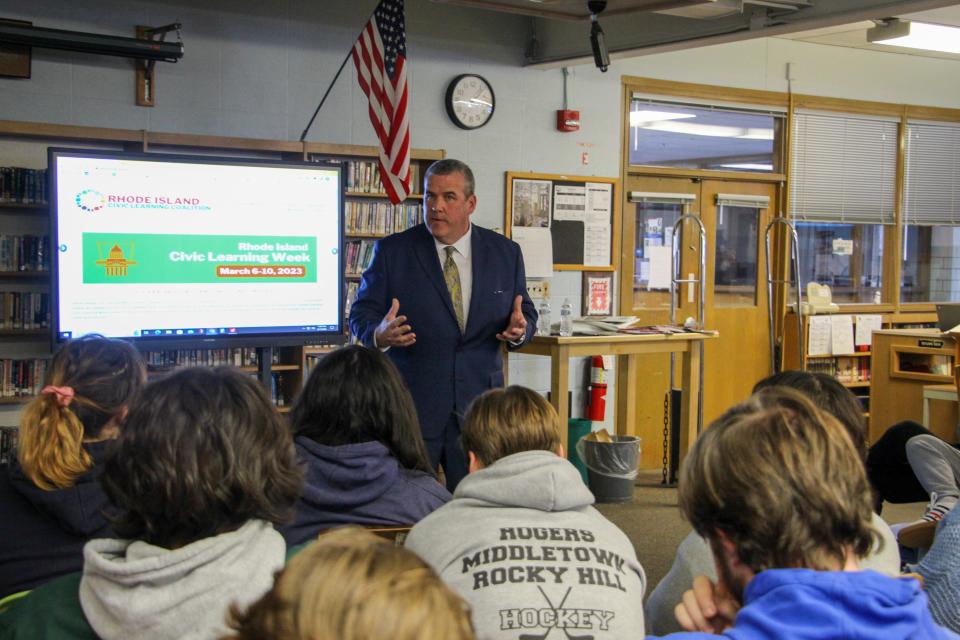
[
  {"x": 818, "y": 339},
  {"x": 661, "y": 263},
  {"x": 537, "y": 248},
  {"x": 842, "y": 334},
  {"x": 866, "y": 325}
]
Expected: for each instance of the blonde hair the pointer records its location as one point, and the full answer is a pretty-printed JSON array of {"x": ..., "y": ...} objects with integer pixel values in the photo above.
[
  {"x": 103, "y": 376},
  {"x": 502, "y": 422},
  {"x": 782, "y": 480},
  {"x": 353, "y": 585}
]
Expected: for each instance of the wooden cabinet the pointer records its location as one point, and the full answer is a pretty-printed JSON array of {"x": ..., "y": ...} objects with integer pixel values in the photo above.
[{"x": 904, "y": 362}]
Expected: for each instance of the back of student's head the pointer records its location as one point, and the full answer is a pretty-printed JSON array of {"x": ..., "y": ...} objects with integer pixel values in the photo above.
[
  {"x": 782, "y": 480},
  {"x": 353, "y": 585},
  {"x": 89, "y": 382},
  {"x": 502, "y": 422},
  {"x": 828, "y": 394},
  {"x": 202, "y": 452},
  {"x": 356, "y": 394}
]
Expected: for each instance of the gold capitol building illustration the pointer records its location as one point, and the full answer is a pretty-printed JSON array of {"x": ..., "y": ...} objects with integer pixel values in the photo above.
[{"x": 116, "y": 263}]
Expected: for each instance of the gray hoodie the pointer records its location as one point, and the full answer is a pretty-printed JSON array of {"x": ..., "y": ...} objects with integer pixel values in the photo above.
[
  {"x": 521, "y": 543},
  {"x": 138, "y": 590}
]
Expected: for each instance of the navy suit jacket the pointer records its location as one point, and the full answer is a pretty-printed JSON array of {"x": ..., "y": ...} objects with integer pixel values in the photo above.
[{"x": 444, "y": 369}]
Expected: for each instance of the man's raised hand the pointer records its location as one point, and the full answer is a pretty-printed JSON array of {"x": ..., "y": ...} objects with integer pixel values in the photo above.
[
  {"x": 517, "y": 327},
  {"x": 393, "y": 330}
]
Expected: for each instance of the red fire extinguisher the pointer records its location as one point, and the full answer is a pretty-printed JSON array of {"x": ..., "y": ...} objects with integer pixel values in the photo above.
[{"x": 598, "y": 390}]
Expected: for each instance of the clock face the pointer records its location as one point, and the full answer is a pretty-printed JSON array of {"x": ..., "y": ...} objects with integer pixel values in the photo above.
[{"x": 470, "y": 101}]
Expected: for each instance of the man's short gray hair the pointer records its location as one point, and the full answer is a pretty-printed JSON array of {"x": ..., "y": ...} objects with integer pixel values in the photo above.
[{"x": 450, "y": 165}]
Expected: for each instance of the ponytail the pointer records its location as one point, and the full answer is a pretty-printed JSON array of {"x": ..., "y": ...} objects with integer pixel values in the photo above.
[
  {"x": 50, "y": 449},
  {"x": 90, "y": 381}
]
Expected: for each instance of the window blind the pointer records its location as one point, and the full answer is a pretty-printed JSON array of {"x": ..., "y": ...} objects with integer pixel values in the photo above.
[
  {"x": 931, "y": 180},
  {"x": 843, "y": 168}
]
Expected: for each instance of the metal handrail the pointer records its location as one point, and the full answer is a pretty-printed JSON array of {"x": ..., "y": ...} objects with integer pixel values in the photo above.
[{"x": 771, "y": 281}]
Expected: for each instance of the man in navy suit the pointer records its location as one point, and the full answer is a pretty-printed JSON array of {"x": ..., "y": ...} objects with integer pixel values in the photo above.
[{"x": 441, "y": 297}]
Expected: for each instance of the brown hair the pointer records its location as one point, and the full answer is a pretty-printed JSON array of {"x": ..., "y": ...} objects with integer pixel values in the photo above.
[
  {"x": 356, "y": 394},
  {"x": 830, "y": 395},
  {"x": 502, "y": 422},
  {"x": 104, "y": 375},
  {"x": 353, "y": 585},
  {"x": 782, "y": 480},
  {"x": 202, "y": 452}
]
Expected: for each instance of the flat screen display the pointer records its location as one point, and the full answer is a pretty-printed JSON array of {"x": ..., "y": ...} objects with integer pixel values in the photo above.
[{"x": 184, "y": 250}]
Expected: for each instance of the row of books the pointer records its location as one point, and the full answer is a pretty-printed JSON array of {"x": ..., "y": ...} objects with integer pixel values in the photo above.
[
  {"x": 23, "y": 186},
  {"x": 358, "y": 255},
  {"x": 8, "y": 443},
  {"x": 24, "y": 253},
  {"x": 24, "y": 310},
  {"x": 19, "y": 378},
  {"x": 169, "y": 358},
  {"x": 844, "y": 369},
  {"x": 363, "y": 176},
  {"x": 370, "y": 216},
  {"x": 352, "y": 288}
]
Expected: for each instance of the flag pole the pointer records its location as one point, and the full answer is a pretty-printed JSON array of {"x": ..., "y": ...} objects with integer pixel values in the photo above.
[{"x": 334, "y": 81}]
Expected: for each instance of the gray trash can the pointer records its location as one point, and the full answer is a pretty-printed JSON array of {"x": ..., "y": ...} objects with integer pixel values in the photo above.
[{"x": 611, "y": 467}]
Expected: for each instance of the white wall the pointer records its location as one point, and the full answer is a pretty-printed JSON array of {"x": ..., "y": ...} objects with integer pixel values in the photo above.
[{"x": 258, "y": 68}]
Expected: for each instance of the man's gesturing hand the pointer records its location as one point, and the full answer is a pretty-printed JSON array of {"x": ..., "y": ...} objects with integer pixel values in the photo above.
[
  {"x": 517, "y": 328},
  {"x": 392, "y": 332}
]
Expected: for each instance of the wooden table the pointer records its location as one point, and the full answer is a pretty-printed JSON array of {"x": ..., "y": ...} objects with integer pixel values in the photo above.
[{"x": 561, "y": 349}]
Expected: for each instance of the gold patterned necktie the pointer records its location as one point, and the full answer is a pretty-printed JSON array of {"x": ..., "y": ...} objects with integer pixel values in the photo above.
[{"x": 452, "y": 277}]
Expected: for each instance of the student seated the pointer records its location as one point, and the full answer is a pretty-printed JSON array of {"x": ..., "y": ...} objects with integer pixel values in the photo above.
[
  {"x": 940, "y": 569},
  {"x": 520, "y": 540},
  {"x": 353, "y": 585},
  {"x": 777, "y": 488},
  {"x": 356, "y": 431},
  {"x": 693, "y": 555},
  {"x": 203, "y": 467},
  {"x": 50, "y": 500}
]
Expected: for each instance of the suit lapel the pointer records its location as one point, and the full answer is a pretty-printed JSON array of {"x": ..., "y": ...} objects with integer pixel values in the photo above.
[{"x": 426, "y": 252}]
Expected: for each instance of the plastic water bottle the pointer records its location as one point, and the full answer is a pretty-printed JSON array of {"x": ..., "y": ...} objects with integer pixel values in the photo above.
[
  {"x": 566, "y": 318},
  {"x": 543, "y": 322}
]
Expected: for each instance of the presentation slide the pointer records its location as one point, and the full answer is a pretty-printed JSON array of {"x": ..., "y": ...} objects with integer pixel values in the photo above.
[{"x": 154, "y": 248}]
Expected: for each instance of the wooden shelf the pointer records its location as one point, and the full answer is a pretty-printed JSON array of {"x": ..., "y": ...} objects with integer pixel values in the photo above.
[
  {"x": 17, "y": 400},
  {"x": 380, "y": 195},
  {"x": 28, "y": 275},
  {"x": 367, "y": 235},
  {"x": 14, "y": 333},
  {"x": 858, "y": 354},
  {"x": 855, "y": 385},
  {"x": 24, "y": 208}
]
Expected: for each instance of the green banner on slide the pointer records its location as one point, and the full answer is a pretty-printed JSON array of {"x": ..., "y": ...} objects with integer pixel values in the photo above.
[{"x": 121, "y": 258}]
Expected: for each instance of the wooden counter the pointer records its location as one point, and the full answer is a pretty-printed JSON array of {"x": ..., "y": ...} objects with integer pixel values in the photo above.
[{"x": 904, "y": 362}]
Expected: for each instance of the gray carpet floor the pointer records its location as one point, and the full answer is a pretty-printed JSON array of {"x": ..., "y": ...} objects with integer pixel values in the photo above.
[{"x": 653, "y": 523}]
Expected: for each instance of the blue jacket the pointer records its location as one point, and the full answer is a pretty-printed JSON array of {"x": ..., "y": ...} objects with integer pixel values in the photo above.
[
  {"x": 43, "y": 532},
  {"x": 358, "y": 484},
  {"x": 802, "y": 604},
  {"x": 444, "y": 369}
]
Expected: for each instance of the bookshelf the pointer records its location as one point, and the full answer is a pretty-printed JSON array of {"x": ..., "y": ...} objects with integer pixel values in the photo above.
[
  {"x": 25, "y": 346},
  {"x": 368, "y": 215},
  {"x": 854, "y": 367},
  {"x": 24, "y": 283}
]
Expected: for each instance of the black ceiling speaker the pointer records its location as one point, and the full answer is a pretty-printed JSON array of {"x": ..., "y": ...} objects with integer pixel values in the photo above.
[{"x": 601, "y": 57}]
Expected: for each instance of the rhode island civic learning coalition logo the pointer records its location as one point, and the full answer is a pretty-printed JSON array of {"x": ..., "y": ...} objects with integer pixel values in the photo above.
[{"x": 90, "y": 200}]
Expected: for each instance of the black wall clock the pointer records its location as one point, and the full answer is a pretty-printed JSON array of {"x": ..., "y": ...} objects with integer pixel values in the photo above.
[{"x": 470, "y": 101}]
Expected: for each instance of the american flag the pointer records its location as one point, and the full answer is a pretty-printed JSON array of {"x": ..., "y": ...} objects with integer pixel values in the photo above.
[{"x": 380, "y": 56}]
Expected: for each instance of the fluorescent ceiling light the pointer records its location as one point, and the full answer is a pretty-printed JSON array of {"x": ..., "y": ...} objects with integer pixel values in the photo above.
[
  {"x": 711, "y": 130},
  {"x": 637, "y": 118},
  {"x": 916, "y": 35},
  {"x": 749, "y": 166}
]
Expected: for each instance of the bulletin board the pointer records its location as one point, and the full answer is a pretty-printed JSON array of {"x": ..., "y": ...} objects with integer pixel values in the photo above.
[{"x": 563, "y": 222}]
